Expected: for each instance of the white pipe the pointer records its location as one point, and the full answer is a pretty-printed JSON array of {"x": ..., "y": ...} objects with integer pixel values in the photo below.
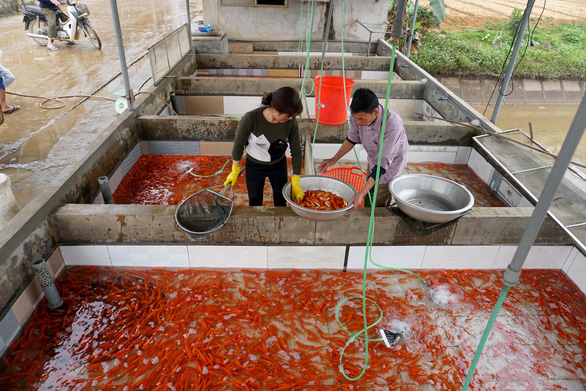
[{"x": 8, "y": 206}]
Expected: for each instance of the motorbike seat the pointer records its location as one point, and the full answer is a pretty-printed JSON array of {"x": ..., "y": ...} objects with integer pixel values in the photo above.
[{"x": 33, "y": 9}]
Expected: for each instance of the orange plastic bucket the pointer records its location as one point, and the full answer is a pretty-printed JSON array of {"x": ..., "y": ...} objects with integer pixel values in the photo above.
[
  {"x": 331, "y": 96},
  {"x": 350, "y": 175}
]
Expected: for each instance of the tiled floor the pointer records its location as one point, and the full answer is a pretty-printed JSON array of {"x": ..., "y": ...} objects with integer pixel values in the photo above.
[
  {"x": 157, "y": 329},
  {"x": 162, "y": 179}
]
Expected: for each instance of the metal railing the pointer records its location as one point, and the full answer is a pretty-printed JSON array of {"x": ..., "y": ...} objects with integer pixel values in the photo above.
[{"x": 168, "y": 52}]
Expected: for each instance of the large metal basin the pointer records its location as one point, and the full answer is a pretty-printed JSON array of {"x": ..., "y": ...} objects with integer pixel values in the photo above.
[
  {"x": 429, "y": 198},
  {"x": 318, "y": 182}
]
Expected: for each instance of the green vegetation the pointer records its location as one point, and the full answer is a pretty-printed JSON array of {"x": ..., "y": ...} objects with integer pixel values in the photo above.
[{"x": 556, "y": 51}]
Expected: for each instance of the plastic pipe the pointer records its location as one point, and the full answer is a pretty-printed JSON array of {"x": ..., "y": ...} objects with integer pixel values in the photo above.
[
  {"x": 47, "y": 283},
  {"x": 511, "y": 276},
  {"x": 8, "y": 206},
  {"x": 105, "y": 188}
]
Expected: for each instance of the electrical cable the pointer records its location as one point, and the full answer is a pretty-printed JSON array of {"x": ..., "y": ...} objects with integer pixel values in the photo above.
[
  {"x": 161, "y": 98},
  {"x": 503, "y": 68},
  {"x": 58, "y": 99},
  {"x": 529, "y": 39}
]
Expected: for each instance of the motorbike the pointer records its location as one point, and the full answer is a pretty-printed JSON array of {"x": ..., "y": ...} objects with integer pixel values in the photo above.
[{"x": 70, "y": 30}]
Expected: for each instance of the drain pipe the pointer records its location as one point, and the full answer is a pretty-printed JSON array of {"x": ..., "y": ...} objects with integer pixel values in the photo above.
[
  {"x": 47, "y": 283},
  {"x": 105, "y": 188},
  {"x": 511, "y": 276},
  {"x": 511, "y": 66}
]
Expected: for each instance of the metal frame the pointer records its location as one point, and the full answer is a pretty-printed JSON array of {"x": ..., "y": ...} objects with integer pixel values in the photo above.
[
  {"x": 370, "y": 32},
  {"x": 161, "y": 69}
]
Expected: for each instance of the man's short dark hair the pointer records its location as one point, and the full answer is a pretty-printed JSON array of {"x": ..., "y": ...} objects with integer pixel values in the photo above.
[{"x": 363, "y": 101}]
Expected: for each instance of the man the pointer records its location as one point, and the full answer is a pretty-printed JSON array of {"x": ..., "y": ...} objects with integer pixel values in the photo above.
[
  {"x": 49, "y": 8},
  {"x": 365, "y": 128}
]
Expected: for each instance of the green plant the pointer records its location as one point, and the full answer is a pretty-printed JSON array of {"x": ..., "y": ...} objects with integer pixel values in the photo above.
[
  {"x": 574, "y": 34},
  {"x": 557, "y": 52},
  {"x": 514, "y": 21},
  {"x": 426, "y": 19}
]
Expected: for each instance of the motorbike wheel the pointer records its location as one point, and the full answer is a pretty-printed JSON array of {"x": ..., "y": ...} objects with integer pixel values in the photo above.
[
  {"x": 38, "y": 27},
  {"x": 93, "y": 36}
]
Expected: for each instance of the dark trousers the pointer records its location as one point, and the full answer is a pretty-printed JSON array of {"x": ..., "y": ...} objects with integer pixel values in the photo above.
[{"x": 255, "y": 181}]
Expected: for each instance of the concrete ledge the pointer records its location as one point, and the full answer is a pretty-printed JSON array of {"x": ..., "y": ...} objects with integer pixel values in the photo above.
[
  {"x": 257, "y": 86},
  {"x": 316, "y": 46},
  {"x": 525, "y": 91},
  {"x": 268, "y": 61},
  {"x": 103, "y": 224},
  {"x": 154, "y": 127}
]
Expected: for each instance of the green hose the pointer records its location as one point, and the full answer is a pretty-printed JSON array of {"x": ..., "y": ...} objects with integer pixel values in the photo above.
[{"x": 495, "y": 312}]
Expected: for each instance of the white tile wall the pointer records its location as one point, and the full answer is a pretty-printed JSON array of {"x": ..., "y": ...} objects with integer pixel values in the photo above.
[
  {"x": 459, "y": 257},
  {"x": 149, "y": 256},
  {"x": 577, "y": 272},
  {"x": 568, "y": 264},
  {"x": 525, "y": 203},
  {"x": 326, "y": 151},
  {"x": 174, "y": 147},
  {"x": 480, "y": 166},
  {"x": 240, "y": 105},
  {"x": 131, "y": 159},
  {"x": 565, "y": 258},
  {"x": 463, "y": 155},
  {"x": 99, "y": 199},
  {"x": 248, "y": 257},
  {"x": 85, "y": 255},
  {"x": 539, "y": 257},
  {"x": 375, "y": 75},
  {"x": 403, "y": 257},
  {"x": 9, "y": 328},
  {"x": 115, "y": 180},
  {"x": 306, "y": 257},
  {"x": 417, "y": 156}
]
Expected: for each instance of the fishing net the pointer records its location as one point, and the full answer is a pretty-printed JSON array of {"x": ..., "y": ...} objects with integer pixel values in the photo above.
[{"x": 204, "y": 211}]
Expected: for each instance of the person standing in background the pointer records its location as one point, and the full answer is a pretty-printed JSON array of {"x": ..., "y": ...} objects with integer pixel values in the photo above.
[
  {"x": 49, "y": 8},
  {"x": 6, "y": 78}
]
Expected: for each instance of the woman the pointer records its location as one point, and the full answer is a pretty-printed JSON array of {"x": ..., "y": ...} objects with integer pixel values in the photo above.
[{"x": 264, "y": 133}]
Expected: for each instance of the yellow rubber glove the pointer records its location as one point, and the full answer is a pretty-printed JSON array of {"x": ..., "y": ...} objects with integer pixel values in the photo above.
[
  {"x": 231, "y": 178},
  {"x": 296, "y": 189}
]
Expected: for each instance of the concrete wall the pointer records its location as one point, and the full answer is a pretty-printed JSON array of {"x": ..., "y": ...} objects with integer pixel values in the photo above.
[
  {"x": 103, "y": 224},
  {"x": 8, "y": 6},
  {"x": 28, "y": 235},
  {"x": 526, "y": 91},
  {"x": 283, "y": 23}
]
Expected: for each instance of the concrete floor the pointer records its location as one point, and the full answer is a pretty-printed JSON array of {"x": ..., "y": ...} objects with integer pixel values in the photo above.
[{"x": 36, "y": 144}]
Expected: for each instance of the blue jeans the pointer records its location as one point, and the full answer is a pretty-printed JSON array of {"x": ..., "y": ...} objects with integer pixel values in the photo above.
[{"x": 255, "y": 181}]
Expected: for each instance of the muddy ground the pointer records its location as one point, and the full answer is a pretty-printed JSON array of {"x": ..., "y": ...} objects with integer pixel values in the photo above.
[{"x": 474, "y": 13}]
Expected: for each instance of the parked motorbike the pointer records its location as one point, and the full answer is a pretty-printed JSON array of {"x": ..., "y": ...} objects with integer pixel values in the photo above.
[{"x": 36, "y": 24}]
